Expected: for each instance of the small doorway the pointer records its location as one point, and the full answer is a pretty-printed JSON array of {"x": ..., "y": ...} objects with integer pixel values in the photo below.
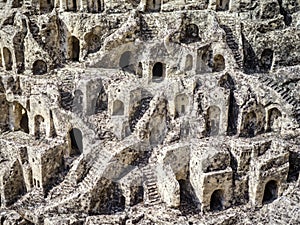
[
  {"x": 270, "y": 193},
  {"x": 76, "y": 141},
  {"x": 158, "y": 71},
  {"x": 216, "y": 200},
  {"x": 74, "y": 48}
]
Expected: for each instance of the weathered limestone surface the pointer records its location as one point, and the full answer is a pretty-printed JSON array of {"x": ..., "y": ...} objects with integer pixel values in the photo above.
[{"x": 149, "y": 112}]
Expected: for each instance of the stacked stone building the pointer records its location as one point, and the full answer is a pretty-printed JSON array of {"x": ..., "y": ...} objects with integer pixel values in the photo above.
[{"x": 149, "y": 112}]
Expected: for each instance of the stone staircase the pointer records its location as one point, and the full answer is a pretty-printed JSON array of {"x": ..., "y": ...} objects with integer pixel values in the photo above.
[
  {"x": 66, "y": 88},
  {"x": 233, "y": 45},
  {"x": 151, "y": 194},
  {"x": 29, "y": 201},
  {"x": 149, "y": 30},
  {"x": 70, "y": 181},
  {"x": 87, "y": 183},
  {"x": 283, "y": 92},
  {"x": 142, "y": 125},
  {"x": 139, "y": 112}
]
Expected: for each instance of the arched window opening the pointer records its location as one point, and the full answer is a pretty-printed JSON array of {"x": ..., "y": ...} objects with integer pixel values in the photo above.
[
  {"x": 270, "y": 193},
  {"x": 24, "y": 122},
  {"x": 153, "y": 5},
  {"x": 222, "y": 5},
  {"x": 139, "y": 71},
  {"x": 250, "y": 124},
  {"x": 216, "y": 200},
  {"x": 219, "y": 63},
  {"x": 213, "y": 121},
  {"x": 189, "y": 63},
  {"x": 181, "y": 104},
  {"x": 266, "y": 60},
  {"x": 274, "y": 123},
  {"x": 40, "y": 127},
  {"x": 77, "y": 105},
  {"x": 118, "y": 108},
  {"x": 75, "y": 136},
  {"x": 158, "y": 72},
  {"x": 7, "y": 59},
  {"x": 39, "y": 67},
  {"x": 74, "y": 48}
]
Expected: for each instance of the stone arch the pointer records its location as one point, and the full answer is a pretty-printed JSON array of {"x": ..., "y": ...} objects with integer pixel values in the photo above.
[
  {"x": 219, "y": 63},
  {"x": 270, "y": 191},
  {"x": 118, "y": 108},
  {"x": 39, "y": 67},
  {"x": 153, "y": 5},
  {"x": 102, "y": 101},
  {"x": 249, "y": 124},
  {"x": 7, "y": 58},
  {"x": 266, "y": 60},
  {"x": 76, "y": 141},
  {"x": 213, "y": 120},
  {"x": 273, "y": 121},
  {"x": 39, "y": 126},
  {"x": 189, "y": 62},
  {"x": 222, "y": 5},
  {"x": 125, "y": 59},
  {"x": 181, "y": 104},
  {"x": 74, "y": 48},
  {"x": 158, "y": 71},
  {"x": 216, "y": 200}
]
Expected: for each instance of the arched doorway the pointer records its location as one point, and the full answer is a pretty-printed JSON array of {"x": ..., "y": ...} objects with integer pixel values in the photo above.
[
  {"x": 75, "y": 136},
  {"x": 158, "y": 71},
  {"x": 7, "y": 59},
  {"x": 270, "y": 192},
  {"x": 74, "y": 46},
  {"x": 118, "y": 108},
  {"x": 181, "y": 104},
  {"x": 24, "y": 122},
  {"x": 216, "y": 200},
  {"x": 153, "y": 5},
  {"x": 274, "y": 119},
  {"x": 39, "y": 67},
  {"x": 39, "y": 127},
  {"x": 77, "y": 105},
  {"x": 219, "y": 63},
  {"x": 213, "y": 121},
  {"x": 266, "y": 60},
  {"x": 250, "y": 124}
]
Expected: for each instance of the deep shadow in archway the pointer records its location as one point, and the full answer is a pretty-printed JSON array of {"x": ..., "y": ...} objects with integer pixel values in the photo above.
[
  {"x": 270, "y": 193},
  {"x": 216, "y": 200},
  {"x": 76, "y": 141}
]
